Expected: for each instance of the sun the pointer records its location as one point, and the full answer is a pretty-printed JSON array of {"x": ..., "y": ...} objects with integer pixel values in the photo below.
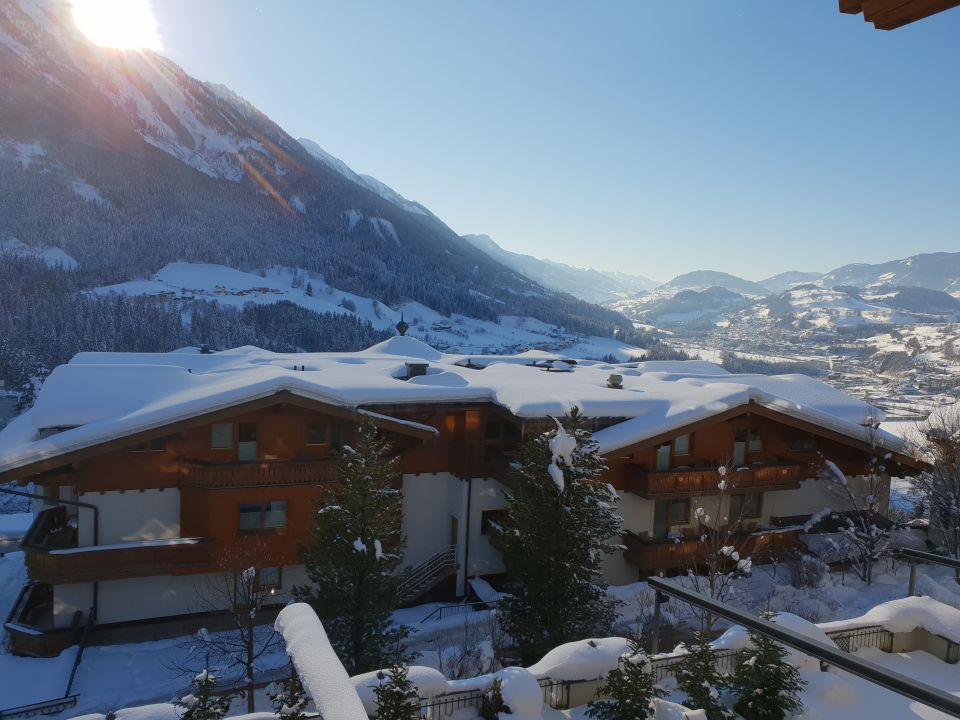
[{"x": 123, "y": 24}]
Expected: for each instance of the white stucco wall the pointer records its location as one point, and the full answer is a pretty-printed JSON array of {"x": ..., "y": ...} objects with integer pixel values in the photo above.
[
  {"x": 131, "y": 515},
  {"x": 157, "y": 596},
  {"x": 429, "y": 500},
  {"x": 484, "y": 558}
]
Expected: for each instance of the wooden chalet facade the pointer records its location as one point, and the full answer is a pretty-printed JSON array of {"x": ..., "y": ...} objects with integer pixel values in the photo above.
[{"x": 129, "y": 529}]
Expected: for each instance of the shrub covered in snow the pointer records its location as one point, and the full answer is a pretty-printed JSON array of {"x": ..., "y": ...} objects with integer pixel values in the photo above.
[
  {"x": 202, "y": 704},
  {"x": 765, "y": 685},
  {"x": 699, "y": 679},
  {"x": 397, "y": 697},
  {"x": 628, "y": 691},
  {"x": 288, "y": 698}
]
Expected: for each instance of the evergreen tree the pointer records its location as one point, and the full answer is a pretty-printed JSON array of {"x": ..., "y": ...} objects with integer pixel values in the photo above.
[
  {"x": 289, "y": 699},
  {"x": 309, "y": 289},
  {"x": 201, "y": 704},
  {"x": 765, "y": 685},
  {"x": 560, "y": 521},
  {"x": 698, "y": 677},
  {"x": 397, "y": 697},
  {"x": 355, "y": 548},
  {"x": 628, "y": 690}
]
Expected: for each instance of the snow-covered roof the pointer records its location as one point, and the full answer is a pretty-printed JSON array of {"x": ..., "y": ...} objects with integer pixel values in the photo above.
[
  {"x": 905, "y": 615},
  {"x": 98, "y": 397}
]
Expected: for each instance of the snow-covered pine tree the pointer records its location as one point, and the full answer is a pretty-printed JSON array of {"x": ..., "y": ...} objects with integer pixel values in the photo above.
[
  {"x": 628, "y": 691},
  {"x": 766, "y": 687},
  {"x": 288, "y": 698},
  {"x": 355, "y": 548},
  {"x": 559, "y": 523},
  {"x": 397, "y": 697},
  {"x": 202, "y": 704},
  {"x": 698, "y": 677}
]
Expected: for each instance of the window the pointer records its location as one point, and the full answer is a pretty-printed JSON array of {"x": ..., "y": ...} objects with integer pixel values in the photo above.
[
  {"x": 155, "y": 445},
  {"x": 756, "y": 442},
  {"x": 492, "y": 430},
  {"x": 490, "y": 520},
  {"x": 316, "y": 433},
  {"x": 339, "y": 433},
  {"x": 681, "y": 445},
  {"x": 270, "y": 578},
  {"x": 803, "y": 443},
  {"x": 743, "y": 507},
  {"x": 221, "y": 436},
  {"x": 247, "y": 442},
  {"x": 679, "y": 512},
  {"x": 263, "y": 516},
  {"x": 663, "y": 457}
]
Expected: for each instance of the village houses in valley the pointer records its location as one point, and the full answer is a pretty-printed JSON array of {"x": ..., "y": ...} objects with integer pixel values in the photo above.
[{"x": 157, "y": 473}]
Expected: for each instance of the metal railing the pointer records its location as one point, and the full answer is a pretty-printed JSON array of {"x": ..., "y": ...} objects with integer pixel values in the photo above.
[
  {"x": 874, "y": 636},
  {"x": 459, "y": 609},
  {"x": 433, "y": 568}
]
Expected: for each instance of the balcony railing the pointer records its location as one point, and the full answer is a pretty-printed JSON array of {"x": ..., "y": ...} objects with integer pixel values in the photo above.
[
  {"x": 686, "y": 482},
  {"x": 123, "y": 560},
  {"x": 683, "y": 553},
  {"x": 251, "y": 474}
]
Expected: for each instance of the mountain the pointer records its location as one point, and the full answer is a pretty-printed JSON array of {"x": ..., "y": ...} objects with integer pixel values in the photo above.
[
  {"x": 596, "y": 286},
  {"x": 371, "y": 183},
  {"x": 935, "y": 271},
  {"x": 126, "y": 163},
  {"x": 689, "y": 307},
  {"x": 703, "y": 279},
  {"x": 785, "y": 280}
]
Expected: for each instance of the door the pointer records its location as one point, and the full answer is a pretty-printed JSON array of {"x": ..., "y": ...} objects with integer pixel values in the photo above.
[
  {"x": 454, "y": 529},
  {"x": 660, "y": 519},
  {"x": 740, "y": 448},
  {"x": 247, "y": 442}
]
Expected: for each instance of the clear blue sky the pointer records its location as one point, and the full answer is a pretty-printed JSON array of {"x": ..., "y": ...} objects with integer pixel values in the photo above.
[{"x": 652, "y": 137}]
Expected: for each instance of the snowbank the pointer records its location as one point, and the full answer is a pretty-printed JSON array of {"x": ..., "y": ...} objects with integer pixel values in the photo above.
[
  {"x": 665, "y": 710},
  {"x": 905, "y": 615},
  {"x": 581, "y": 660},
  {"x": 323, "y": 675}
]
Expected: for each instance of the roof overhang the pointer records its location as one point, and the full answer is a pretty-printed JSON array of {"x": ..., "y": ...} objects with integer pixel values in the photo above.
[
  {"x": 74, "y": 454},
  {"x": 891, "y": 14},
  {"x": 753, "y": 408}
]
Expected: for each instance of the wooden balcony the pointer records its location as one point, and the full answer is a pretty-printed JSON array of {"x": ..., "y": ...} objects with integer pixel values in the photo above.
[
  {"x": 687, "y": 553},
  {"x": 196, "y": 473},
  {"x": 112, "y": 562},
  {"x": 687, "y": 482}
]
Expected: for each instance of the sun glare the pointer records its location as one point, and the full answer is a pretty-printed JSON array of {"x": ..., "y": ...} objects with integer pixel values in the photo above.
[{"x": 123, "y": 24}]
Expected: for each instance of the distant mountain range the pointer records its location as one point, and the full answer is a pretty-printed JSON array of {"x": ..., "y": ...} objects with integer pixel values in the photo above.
[
  {"x": 596, "y": 286},
  {"x": 921, "y": 288}
]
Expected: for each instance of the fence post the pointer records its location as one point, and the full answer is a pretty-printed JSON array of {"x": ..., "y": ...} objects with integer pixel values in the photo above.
[{"x": 912, "y": 589}]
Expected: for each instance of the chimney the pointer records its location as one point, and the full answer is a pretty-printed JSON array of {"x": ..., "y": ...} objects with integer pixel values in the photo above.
[{"x": 416, "y": 369}]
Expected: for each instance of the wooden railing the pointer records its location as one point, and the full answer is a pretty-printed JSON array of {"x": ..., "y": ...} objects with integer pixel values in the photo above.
[
  {"x": 684, "y": 482},
  {"x": 690, "y": 552},
  {"x": 98, "y": 562},
  {"x": 250, "y": 474}
]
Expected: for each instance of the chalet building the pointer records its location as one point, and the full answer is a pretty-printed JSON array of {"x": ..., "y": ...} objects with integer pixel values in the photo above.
[{"x": 157, "y": 473}]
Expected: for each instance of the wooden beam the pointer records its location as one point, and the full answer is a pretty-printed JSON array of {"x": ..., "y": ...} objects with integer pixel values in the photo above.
[
  {"x": 910, "y": 12},
  {"x": 851, "y": 7}
]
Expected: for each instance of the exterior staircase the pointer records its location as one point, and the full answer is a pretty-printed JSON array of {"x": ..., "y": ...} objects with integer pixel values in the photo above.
[{"x": 420, "y": 578}]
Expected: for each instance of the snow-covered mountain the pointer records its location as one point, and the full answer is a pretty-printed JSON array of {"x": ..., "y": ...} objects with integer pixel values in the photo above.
[
  {"x": 785, "y": 280},
  {"x": 936, "y": 271},
  {"x": 701, "y": 280},
  {"x": 368, "y": 181},
  {"x": 127, "y": 163},
  {"x": 597, "y": 286}
]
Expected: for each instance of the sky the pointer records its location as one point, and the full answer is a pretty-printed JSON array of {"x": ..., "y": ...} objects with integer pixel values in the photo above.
[{"x": 647, "y": 137}]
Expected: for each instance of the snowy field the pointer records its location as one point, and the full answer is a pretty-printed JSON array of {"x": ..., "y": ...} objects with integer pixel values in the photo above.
[{"x": 119, "y": 676}]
